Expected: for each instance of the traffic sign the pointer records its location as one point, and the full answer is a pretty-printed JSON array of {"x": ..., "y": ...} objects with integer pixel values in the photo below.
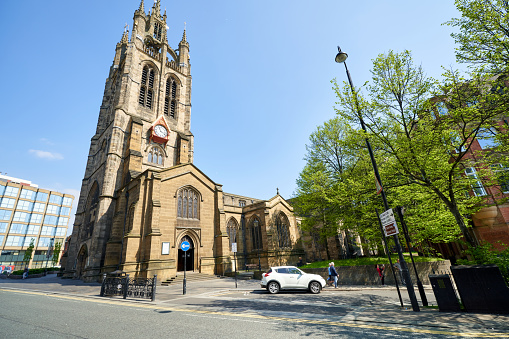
[
  {"x": 234, "y": 247},
  {"x": 185, "y": 246},
  {"x": 389, "y": 223}
]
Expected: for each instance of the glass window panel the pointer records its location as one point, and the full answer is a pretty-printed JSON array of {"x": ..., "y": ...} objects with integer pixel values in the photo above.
[
  {"x": 18, "y": 229},
  {"x": 21, "y": 216},
  {"x": 3, "y": 227},
  {"x": 52, "y": 209},
  {"x": 2, "y": 189},
  {"x": 33, "y": 229},
  {"x": 41, "y": 196},
  {"x": 11, "y": 191},
  {"x": 55, "y": 199},
  {"x": 28, "y": 240},
  {"x": 7, "y": 203},
  {"x": 1, "y": 239},
  {"x": 48, "y": 230},
  {"x": 61, "y": 231},
  {"x": 65, "y": 211},
  {"x": 24, "y": 205},
  {"x": 27, "y": 194},
  {"x": 50, "y": 220},
  {"x": 44, "y": 242},
  {"x": 14, "y": 240},
  {"x": 67, "y": 201},
  {"x": 5, "y": 215},
  {"x": 36, "y": 218},
  {"x": 39, "y": 207},
  {"x": 62, "y": 221}
]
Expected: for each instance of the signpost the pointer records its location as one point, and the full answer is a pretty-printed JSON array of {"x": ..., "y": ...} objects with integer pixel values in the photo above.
[
  {"x": 234, "y": 250},
  {"x": 184, "y": 246},
  {"x": 389, "y": 223}
]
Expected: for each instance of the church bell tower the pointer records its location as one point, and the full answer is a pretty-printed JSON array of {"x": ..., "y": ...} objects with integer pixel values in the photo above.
[{"x": 144, "y": 123}]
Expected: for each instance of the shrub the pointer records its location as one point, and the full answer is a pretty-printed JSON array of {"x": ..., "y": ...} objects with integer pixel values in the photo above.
[{"x": 486, "y": 254}]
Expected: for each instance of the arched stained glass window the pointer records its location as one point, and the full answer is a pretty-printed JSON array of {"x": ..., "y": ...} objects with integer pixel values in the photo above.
[
  {"x": 232, "y": 230},
  {"x": 188, "y": 201},
  {"x": 283, "y": 231},
  {"x": 256, "y": 234}
]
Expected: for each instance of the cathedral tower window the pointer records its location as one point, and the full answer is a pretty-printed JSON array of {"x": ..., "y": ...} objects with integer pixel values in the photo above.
[
  {"x": 283, "y": 230},
  {"x": 147, "y": 87},
  {"x": 155, "y": 156},
  {"x": 157, "y": 31},
  {"x": 170, "y": 99},
  {"x": 188, "y": 204}
]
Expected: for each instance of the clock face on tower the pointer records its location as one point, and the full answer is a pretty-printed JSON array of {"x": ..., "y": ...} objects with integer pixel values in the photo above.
[{"x": 160, "y": 131}]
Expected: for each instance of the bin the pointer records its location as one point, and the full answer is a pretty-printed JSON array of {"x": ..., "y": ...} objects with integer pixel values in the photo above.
[{"x": 444, "y": 293}]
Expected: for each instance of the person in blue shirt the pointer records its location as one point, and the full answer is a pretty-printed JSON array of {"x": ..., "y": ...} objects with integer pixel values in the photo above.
[{"x": 333, "y": 274}]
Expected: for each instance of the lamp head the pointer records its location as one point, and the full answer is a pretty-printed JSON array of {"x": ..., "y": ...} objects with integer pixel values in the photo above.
[{"x": 341, "y": 56}]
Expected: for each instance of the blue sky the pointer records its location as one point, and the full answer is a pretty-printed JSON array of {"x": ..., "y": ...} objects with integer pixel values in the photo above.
[{"x": 261, "y": 78}]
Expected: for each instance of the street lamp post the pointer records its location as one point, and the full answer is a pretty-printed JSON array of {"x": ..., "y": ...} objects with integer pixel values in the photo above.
[{"x": 341, "y": 58}]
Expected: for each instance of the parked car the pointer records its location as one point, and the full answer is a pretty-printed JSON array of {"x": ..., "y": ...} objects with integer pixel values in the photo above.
[{"x": 290, "y": 278}]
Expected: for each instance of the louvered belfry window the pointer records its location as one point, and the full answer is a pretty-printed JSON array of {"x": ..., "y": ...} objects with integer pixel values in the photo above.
[
  {"x": 147, "y": 87},
  {"x": 170, "y": 102}
]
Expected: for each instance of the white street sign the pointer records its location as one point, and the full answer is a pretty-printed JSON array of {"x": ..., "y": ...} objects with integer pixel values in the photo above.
[
  {"x": 234, "y": 247},
  {"x": 389, "y": 223}
]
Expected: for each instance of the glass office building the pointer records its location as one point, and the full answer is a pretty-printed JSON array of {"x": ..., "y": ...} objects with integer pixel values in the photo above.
[{"x": 30, "y": 214}]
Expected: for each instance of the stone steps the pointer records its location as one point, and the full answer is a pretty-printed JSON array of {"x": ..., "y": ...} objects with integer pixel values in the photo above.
[{"x": 190, "y": 277}]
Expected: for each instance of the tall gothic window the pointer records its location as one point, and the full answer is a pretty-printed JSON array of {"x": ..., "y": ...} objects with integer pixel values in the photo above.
[
  {"x": 170, "y": 98},
  {"x": 155, "y": 156},
  {"x": 283, "y": 231},
  {"x": 232, "y": 230},
  {"x": 147, "y": 87},
  {"x": 188, "y": 204},
  {"x": 91, "y": 211},
  {"x": 256, "y": 234}
]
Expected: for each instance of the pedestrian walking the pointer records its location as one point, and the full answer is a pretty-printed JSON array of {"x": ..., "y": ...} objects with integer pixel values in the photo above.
[
  {"x": 397, "y": 267},
  {"x": 329, "y": 279},
  {"x": 333, "y": 274},
  {"x": 381, "y": 272}
]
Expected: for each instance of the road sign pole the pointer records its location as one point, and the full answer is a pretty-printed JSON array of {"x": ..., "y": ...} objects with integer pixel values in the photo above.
[
  {"x": 185, "y": 246},
  {"x": 185, "y": 267}
]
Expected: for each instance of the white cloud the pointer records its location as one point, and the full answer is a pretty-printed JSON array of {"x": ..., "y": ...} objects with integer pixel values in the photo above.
[{"x": 46, "y": 154}]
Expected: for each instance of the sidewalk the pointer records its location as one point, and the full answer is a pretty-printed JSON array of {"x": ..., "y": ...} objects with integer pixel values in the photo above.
[{"x": 363, "y": 310}]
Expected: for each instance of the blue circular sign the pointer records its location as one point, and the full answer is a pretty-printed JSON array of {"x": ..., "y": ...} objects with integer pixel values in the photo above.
[{"x": 184, "y": 246}]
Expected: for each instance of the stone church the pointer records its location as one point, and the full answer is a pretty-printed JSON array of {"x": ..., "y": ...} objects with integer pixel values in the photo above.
[{"x": 141, "y": 195}]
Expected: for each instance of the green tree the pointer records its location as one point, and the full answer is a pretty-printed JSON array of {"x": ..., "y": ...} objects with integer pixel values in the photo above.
[
  {"x": 483, "y": 37},
  {"x": 420, "y": 148},
  {"x": 56, "y": 253},
  {"x": 28, "y": 253}
]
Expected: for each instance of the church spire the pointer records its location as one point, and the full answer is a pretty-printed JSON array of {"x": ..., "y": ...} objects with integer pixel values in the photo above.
[
  {"x": 156, "y": 9},
  {"x": 125, "y": 35},
  {"x": 142, "y": 7}
]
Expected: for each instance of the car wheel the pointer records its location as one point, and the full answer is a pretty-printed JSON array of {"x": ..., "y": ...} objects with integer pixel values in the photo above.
[
  {"x": 315, "y": 287},
  {"x": 273, "y": 287}
]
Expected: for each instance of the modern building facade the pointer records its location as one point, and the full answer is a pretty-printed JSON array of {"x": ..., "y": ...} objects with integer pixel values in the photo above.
[
  {"x": 31, "y": 214},
  {"x": 142, "y": 195}
]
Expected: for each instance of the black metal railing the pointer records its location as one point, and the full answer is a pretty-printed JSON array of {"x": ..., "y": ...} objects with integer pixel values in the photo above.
[{"x": 122, "y": 285}]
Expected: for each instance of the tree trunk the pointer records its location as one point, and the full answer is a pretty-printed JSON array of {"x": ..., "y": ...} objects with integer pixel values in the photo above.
[{"x": 461, "y": 223}]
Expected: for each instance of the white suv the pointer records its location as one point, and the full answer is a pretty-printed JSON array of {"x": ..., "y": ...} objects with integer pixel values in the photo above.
[{"x": 290, "y": 277}]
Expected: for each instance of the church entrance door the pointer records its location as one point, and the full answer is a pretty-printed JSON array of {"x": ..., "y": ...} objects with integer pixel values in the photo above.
[{"x": 190, "y": 256}]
